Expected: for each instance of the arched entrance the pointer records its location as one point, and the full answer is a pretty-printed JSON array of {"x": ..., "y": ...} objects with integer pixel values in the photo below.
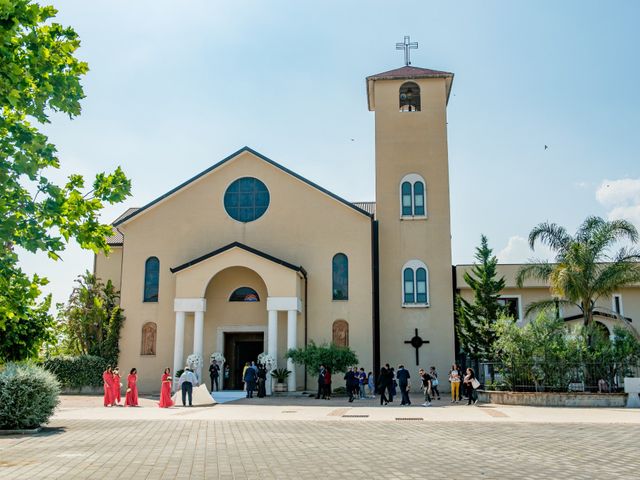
[
  {"x": 236, "y": 320},
  {"x": 202, "y": 281}
]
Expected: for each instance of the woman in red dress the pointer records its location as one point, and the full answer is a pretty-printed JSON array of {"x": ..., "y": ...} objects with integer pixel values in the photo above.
[
  {"x": 165, "y": 390},
  {"x": 131, "y": 400},
  {"x": 116, "y": 387},
  {"x": 107, "y": 379}
]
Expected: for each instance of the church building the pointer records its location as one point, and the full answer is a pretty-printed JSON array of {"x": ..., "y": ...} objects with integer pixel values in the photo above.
[{"x": 228, "y": 262}]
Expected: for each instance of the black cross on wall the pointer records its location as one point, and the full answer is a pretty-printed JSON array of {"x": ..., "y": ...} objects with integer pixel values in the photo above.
[{"x": 416, "y": 342}]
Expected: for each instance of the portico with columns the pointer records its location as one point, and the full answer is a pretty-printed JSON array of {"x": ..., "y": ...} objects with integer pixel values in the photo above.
[{"x": 202, "y": 294}]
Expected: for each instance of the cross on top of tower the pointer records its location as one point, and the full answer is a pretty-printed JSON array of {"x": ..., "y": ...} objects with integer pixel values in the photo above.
[{"x": 407, "y": 45}]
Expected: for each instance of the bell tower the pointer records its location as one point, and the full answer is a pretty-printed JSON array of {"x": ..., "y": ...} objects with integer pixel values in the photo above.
[{"x": 413, "y": 214}]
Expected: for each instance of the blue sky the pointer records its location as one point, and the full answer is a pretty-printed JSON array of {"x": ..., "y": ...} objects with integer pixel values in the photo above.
[{"x": 176, "y": 86}]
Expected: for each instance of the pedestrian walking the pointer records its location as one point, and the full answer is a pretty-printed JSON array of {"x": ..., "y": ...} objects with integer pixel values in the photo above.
[
  {"x": 454, "y": 378},
  {"x": 461, "y": 374},
  {"x": 250, "y": 380},
  {"x": 214, "y": 374},
  {"x": 131, "y": 398},
  {"x": 434, "y": 382},
  {"x": 371, "y": 383},
  {"x": 362, "y": 383},
  {"x": 471, "y": 383},
  {"x": 393, "y": 385},
  {"x": 165, "y": 390},
  {"x": 321, "y": 389},
  {"x": 403, "y": 377},
  {"x": 107, "y": 380},
  {"x": 350, "y": 383},
  {"x": 327, "y": 384},
  {"x": 262, "y": 380},
  {"x": 186, "y": 382},
  {"x": 427, "y": 386},
  {"x": 117, "y": 386},
  {"x": 383, "y": 385}
]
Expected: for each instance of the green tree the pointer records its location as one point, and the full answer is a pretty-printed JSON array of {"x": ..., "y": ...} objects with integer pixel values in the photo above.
[
  {"x": 476, "y": 326},
  {"x": 337, "y": 359},
  {"x": 92, "y": 319},
  {"x": 585, "y": 267},
  {"x": 40, "y": 75}
]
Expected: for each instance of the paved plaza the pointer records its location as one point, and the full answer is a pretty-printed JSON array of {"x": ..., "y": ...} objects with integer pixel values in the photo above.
[{"x": 301, "y": 438}]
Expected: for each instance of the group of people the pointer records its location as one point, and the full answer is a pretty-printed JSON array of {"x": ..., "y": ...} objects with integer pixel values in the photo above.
[
  {"x": 463, "y": 383},
  {"x": 112, "y": 388},
  {"x": 254, "y": 378},
  {"x": 390, "y": 381},
  {"x": 186, "y": 382},
  {"x": 113, "y": 385}
]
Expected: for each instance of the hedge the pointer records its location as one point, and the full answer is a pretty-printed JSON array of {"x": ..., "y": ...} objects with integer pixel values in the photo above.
[
  {"x": 28, "y": 396},
  {"x": 77, "y": 372}
]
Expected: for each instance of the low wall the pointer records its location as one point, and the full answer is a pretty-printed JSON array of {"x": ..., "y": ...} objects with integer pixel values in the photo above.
[
  {"x": 82, "y": 391},
  {"x": 554, "y": 399}
]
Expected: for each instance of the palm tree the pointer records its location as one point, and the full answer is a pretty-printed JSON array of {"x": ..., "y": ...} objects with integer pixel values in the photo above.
[{"x": 585, "y": 268}]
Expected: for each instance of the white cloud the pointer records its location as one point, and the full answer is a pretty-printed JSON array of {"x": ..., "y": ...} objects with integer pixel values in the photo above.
[
  {"x": 517, "y": 251},
  {"x": 622, "y": 198}
]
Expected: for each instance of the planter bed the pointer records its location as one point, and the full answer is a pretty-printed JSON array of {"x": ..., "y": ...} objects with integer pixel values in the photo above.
[{"x": 554, "y": 399}]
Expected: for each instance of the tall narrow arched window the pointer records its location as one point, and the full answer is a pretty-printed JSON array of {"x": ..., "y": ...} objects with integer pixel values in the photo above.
[
  {"x": 415, "y": 284},
  {"x": 421, "y": 285},
  {"x": 413, "y": 197},
  {"x": 151, "y": 279},
  {"x": 409, "y": 97},
  {"x": 418, "y": 198},
  {"x": 409, "y": 286},
  {"x": 340, "y": 269},
  {"x": 407, "y": 203}
]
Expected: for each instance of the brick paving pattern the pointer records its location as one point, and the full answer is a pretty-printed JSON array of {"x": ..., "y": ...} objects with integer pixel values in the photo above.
[{"x": 358, "y": 448}]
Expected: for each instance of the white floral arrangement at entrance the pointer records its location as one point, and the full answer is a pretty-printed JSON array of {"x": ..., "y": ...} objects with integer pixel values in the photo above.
[
  {"x": 218, "y": 358},
  {"x": 195, "y": 362},
  {"x": 267, "y": 360}
]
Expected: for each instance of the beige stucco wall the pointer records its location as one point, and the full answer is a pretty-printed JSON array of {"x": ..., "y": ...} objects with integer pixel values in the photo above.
[
  {"x": 302, "y": 226},
  {"x": 406, "y": 143},
  {"x": 109, "y": 266}
]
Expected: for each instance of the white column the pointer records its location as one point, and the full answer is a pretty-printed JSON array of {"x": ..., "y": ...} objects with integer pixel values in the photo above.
[
  {"x": 198, "y": 338},
  {"x": 272, "y": 334},
  {"x": 292, "y": 336},
  {"x": 272, "y": 344},
  {"x": 178, "y": 346}
]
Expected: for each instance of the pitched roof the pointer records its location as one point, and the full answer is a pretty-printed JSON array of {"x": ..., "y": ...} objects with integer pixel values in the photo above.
[
  {"x": 116, "y": 239},
  {"x": 127, "y": 217},
  {"x": 369, "y": 207},
  {"x": 407, "y": 73},
  {"x": 243, "y": 247}
]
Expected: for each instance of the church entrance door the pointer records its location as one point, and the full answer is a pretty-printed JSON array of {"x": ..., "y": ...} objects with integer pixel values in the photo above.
[{"x": 240, "y": 348}]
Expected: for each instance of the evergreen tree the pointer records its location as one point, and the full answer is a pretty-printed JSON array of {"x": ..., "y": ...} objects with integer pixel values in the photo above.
[{"x": 476, "y": 326}]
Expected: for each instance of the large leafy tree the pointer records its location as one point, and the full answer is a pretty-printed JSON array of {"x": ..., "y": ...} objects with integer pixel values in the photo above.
[
  {"x": 39, "y": 74},
  {"x": 92, "y": 319},
  {"x": 586, "y": 266},
  {"x": 476, "y": 325}
]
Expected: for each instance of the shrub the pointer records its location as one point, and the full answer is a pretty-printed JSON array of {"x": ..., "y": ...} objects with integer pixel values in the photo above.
[
  {"x": 280, "y": 374},
  {"x": 77, "y": 372},
  {"x": 28, "y": 396},
  {"x": 337, "y": 359}
]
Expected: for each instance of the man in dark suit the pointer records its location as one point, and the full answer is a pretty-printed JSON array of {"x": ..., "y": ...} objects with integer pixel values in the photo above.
[
  {"x": 350, "y": 379},
  {"x": 250, "y": 377},
  {"x": 321, "y": 389},
  {"x": 403, "y": 383}
]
